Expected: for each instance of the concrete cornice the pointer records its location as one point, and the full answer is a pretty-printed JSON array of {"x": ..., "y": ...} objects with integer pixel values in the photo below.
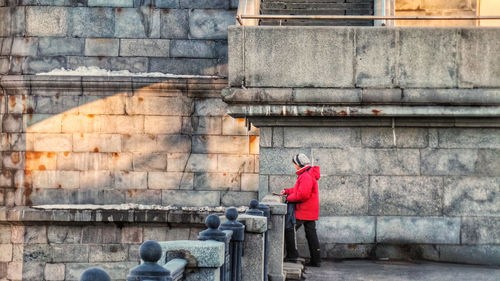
[
  {"x": 361, "y": 96},
  {"x": 360, "y": 106},
  {"x": 96, "y": 86}
]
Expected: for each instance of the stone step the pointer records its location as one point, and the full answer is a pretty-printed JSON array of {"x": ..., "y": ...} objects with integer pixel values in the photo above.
[
  {"x": 293, "y": 271},
  {"x": 317, "y": 7}
]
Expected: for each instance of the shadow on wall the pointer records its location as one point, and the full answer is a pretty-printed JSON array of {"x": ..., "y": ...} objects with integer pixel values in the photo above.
[{"x": 94, "y": 140}]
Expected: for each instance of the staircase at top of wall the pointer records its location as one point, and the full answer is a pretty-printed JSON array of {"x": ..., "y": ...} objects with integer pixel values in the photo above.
[{"x": 317, "y": 7}]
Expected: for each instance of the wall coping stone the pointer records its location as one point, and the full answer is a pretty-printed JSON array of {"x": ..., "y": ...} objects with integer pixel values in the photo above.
[
  {"x": 197, "y": 253},
  {"x": 196, "y": 216},
  {"x": 275, "y": 204}
]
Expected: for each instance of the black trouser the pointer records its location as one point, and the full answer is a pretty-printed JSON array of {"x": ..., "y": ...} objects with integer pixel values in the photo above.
[{"x": 312, "y": 241}]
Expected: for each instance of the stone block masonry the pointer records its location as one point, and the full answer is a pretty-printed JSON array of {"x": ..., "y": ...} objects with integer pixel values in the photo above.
[
  {"x": 429, "y": 195},
  {"x": 190, "y": 37},
  {"x": 31, "y": 248},
  {"x": 122, "y": 140}
]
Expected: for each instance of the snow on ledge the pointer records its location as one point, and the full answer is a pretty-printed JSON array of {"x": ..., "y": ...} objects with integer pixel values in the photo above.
[
  {"x": 96, "y": 71},
  {"x": 131, "y": 206}
]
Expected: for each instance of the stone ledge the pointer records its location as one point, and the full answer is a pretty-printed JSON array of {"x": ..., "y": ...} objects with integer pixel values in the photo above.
[
  {"x": 284, "y": 111},
  {"x": 110, "y": 85},
  {"x": 358, "y": 96},
  {"x": 173, "y": 215},
  {"x": 294, "y": 121}
]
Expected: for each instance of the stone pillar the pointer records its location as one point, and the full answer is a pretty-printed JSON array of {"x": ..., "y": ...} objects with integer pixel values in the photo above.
[
  {"x": 252, "y": 261},
  {"x": 276, "y": 234}
]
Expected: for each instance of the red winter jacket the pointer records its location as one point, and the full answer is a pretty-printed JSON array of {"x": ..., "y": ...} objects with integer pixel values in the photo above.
[{"x": 305, "y": 193}]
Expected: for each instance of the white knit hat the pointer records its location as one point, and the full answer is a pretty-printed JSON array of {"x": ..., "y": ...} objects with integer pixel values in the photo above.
[{"x": 301, "y": 160}]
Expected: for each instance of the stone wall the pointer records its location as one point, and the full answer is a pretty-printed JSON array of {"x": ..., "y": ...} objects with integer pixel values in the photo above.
[
  {"x": 168, "y": 36},
  {"x": 404, "y": 123},
  {"x": 434, "y": 186},
  {"x": 121, "y": 140},
  {"x": 62, "y": 244}
]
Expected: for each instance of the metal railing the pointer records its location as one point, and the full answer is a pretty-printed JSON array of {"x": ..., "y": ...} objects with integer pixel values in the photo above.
[{"x": 249, "y": 14}]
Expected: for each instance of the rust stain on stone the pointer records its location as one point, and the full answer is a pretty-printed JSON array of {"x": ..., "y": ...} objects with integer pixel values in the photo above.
[
  {"x": 224, "y": 174},
  {"x": 51, "y": 154},
  {"x": 91, "y": 115},
  {"x": 14, "y": 156},
  {"x": 376, "y": 112},
  {"x": 253, "y": 139},
  {"x": 66, "y": 153},
  {"x": 343, "y": 112},
  {"x": 119, "y": 10},
  {"x": 131, "y": 192},
  {"x": 126, "y": 172},
  {"x": 351, "y": 246},
  {"x": 12, "y": 101},
  {"x": 33, "y": 155},
  {"x": 140, "y": 99},
  {"x": 309, "y": 112},
  {"x": 59, "y": 186},
  {"x": 30, "y": 110},
  {"x": 204, "y": 138},
  {"x": 116, "y": 155},
  {"x": 42, "y": 168},
  {"x": 96, "y": 149}
]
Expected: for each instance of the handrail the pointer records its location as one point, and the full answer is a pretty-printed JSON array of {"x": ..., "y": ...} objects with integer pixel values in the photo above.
[
  {"x": 176, "y": 268},
  {"x": 242, "y": 17}
]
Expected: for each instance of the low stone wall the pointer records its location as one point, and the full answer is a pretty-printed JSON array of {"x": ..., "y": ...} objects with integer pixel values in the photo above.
[
  {"x": 91, "y": 140},
  {"x": 61, "y": 244},
  {"x": 179, "y": 37}
]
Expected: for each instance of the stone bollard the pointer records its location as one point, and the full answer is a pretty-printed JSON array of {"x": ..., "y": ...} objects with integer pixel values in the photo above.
[
  {"x": 150, "y": 270},
  {"x": 236, "y": 245},
  {"x": 95, "y": 274},
  {"x": 213, "y": 233}
]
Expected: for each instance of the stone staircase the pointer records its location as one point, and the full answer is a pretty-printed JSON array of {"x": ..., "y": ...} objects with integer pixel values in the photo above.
[{"x": 317, "y": 7}]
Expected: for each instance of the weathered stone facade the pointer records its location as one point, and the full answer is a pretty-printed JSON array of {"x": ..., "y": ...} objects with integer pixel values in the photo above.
[
  {"x": 404, "y": 123},
  {"x": 122, "y": 140},
  {"x": 179, "y": 37}
]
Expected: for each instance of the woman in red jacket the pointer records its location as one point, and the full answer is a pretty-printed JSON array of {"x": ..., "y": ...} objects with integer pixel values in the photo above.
[{"x": 305, "y": 195}]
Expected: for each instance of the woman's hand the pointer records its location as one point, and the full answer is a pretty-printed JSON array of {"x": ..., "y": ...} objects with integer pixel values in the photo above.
[{"x": 283, "y": 192}]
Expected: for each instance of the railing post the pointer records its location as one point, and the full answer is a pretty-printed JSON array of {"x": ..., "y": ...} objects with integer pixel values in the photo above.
[
  {"x": 213, "y": 233},
  {"x": 236, "y": 246},
  {"x": 95, "y": 274},
  {"x": 267, "y": 213},
  {"x": 150, "y": 270}
]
